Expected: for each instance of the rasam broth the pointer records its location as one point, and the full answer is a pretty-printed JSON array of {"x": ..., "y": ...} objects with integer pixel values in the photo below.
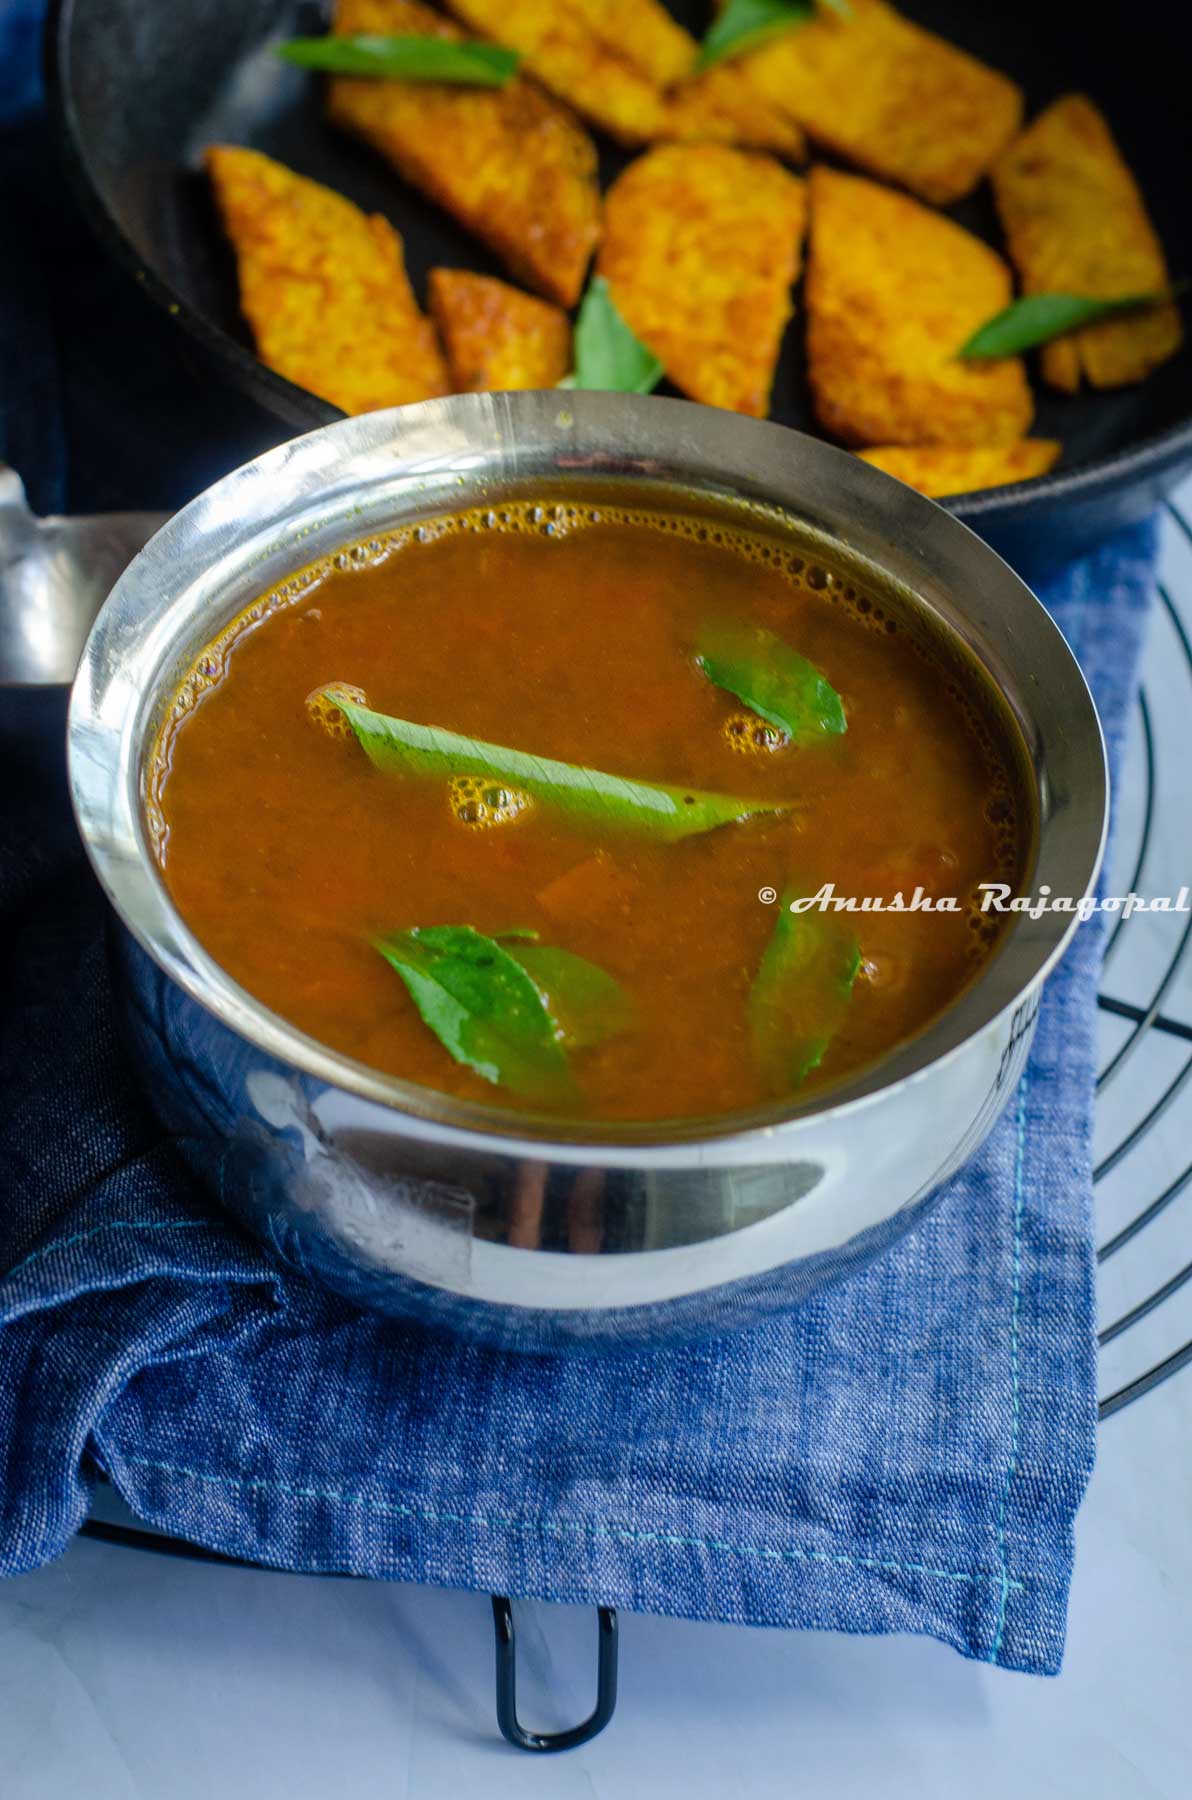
[{"x": 571, "y": 631}]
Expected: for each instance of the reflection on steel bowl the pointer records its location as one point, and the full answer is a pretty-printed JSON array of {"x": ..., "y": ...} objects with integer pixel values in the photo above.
[{"x": 522, "y": 1228}]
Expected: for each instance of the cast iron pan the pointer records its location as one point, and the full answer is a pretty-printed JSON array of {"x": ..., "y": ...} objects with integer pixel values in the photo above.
[{"x": 139, "y": 88}]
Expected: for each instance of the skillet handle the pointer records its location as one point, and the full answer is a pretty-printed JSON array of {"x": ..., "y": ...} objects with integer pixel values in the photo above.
[{"x": 55, "y": 574}]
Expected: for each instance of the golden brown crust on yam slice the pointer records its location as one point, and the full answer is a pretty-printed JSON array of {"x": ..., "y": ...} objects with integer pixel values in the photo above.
[
  {"x": 495, "y": 336},
  {"x": 893, "y": 291},
  {"x": 724, "y": 105},
  {"x": 324, "y": 287},
  {"x": 511, "y": 164},
  {"x": 720, "y": 105},
  {"x": 891, "y": 97},
  {"x": 642, "y": 32},
  {"x": 701, "y": 246},
  {"x": 943, "y": 469},
  {"x": 559, "y": 46},
  {"x": 1075, "y": 223},
  {"x": 626, "y": 67}
]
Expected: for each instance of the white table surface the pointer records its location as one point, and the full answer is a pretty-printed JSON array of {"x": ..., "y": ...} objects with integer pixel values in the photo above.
[{"x": 130, "y": 1677}]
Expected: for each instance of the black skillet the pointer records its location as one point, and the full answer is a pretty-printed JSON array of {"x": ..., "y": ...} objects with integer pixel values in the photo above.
[{"x": 139, "y": 88}]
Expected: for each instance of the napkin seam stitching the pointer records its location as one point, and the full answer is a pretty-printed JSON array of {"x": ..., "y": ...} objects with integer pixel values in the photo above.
[
  {"x": 96, "y": 1230},
  {"x": 563, "y": 1528},
  {"x": 1007, "y": 1585},
  {"x": 1015, "y": 1418}
]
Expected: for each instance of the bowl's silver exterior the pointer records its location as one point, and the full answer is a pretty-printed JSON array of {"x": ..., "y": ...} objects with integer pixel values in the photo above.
[{"x": 528, "y": 1233}]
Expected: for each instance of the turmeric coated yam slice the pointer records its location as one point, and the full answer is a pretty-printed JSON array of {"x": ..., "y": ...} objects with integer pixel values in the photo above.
[
  {"x": 510, "y": 164},
  {"x": 893, "y": 291},
  {"x": 613, "y": 60},
  {"x": 495, "y": 336},
  {"x": 720, "y": 104},
  {"x": 1075, "y": 224},
  {"x": 700, "y": 249},
  {"x": 568, "y": 56},
  {"x": 642, "y": 32},
  {"x": 324, "y": 287},
  {"x": 724, "y": 104},
  {"x": 939, "y": 469},
  {"x": 893, "y": 98}
]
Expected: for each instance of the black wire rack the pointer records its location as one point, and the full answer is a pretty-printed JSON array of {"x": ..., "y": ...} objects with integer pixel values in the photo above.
[
  {"x": 1143, "y": 1115},
  {"x": 1144, "y": 1089}
]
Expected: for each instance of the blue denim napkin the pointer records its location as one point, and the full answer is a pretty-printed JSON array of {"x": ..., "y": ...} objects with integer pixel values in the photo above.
[{"x": 905, "y": 1453}]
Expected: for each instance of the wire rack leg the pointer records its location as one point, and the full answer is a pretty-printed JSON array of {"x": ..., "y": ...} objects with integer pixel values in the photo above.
[{"x": 606, "y": 1684}]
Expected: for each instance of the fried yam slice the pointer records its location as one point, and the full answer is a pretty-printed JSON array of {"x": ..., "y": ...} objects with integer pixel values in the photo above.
[
  {"x": 324, "y": 287},
  {"x": 893, "y": 290},
  {"x": 559, "y": 46},
  {"x": 701, "y": 246},
  {"x": 939, "y": 469},
  {"x": 724, "y": 105},
  {"x": 644, "y": 33},
  {"x": 1076, "y": 224},
  {"x": 613, "y": 60},
  {"x": 510, "y": 164},
  {"x": 495, "y": 336},
  {"x": 721, "y": 104},
  {"x": 893, "y": 98}
]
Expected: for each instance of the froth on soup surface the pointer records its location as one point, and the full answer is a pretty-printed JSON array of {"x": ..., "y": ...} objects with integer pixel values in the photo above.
[{"x": 571, "y": 631}]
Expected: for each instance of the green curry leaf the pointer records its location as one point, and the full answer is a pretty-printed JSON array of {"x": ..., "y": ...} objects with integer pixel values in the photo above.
[
  {"x": 586, "y": 1004},
  {"x": 801, "y": 993},
  {"x": 463, "y": 64},
  {"x": 608, "y": 356},
  {"x": 510, "y": 1015},
  {"x": 482, "y": 1006},
  {"x": 1038, "y": 318},
  {"x": 398, "y": 747},
  {"x": 773, "y": 680},
  {"x": 743, "y": 25}
]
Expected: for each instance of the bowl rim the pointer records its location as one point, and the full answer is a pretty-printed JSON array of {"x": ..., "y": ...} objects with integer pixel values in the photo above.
[{"x": 423, "y": 453}]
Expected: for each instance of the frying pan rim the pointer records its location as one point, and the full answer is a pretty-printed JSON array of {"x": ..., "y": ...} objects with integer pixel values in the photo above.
[{"x": 297, "y": 406}]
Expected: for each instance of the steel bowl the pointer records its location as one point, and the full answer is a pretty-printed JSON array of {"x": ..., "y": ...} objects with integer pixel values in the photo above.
[{"x": 519, "y": 1230}]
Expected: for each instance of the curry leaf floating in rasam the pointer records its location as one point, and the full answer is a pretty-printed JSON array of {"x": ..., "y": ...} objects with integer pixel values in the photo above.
[
  {"x": 608, "y": 357},
  {"x": 511, "y": 1015},
  {"x": 801, "y": 993},
  {"x": 398, "y": 747},
  {"x": 743, "y": 25},
  {"x": 405, "y": 58},
  {"x": 584, "y": 1001},
  {"x": 773, "y": 680},
  {"x": 1039, "y": 318}
]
